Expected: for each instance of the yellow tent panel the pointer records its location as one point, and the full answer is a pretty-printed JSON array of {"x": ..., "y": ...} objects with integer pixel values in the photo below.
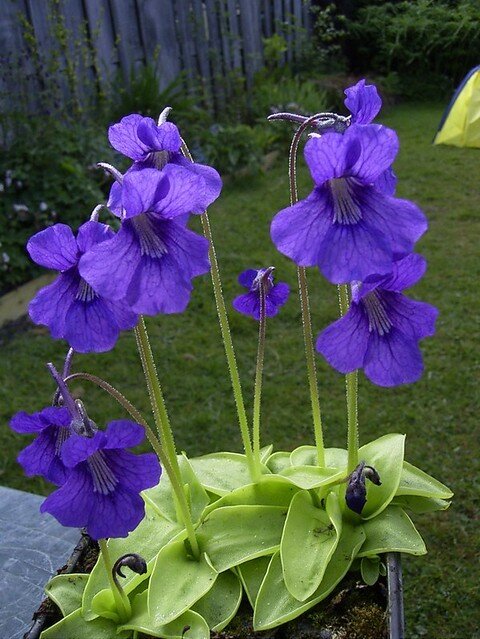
[{"x": 460, "y": 125}]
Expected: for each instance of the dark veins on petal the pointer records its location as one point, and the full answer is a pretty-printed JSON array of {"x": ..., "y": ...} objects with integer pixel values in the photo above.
[
  {"x": 378, "y": 319},
  {"x": 85, "y": 292},
  {"x": 150, "y": 243},
  {"x": 104, "y": 480},
  {"x": 346, "y": 209}
]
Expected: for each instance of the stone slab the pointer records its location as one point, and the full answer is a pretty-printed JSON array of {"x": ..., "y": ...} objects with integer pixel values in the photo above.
[{"x": 32, "y": 547}]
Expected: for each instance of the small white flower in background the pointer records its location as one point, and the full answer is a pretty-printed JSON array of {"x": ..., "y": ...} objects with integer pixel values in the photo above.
[
  {"x": 18, "y": 184},
  {"x": 8, "y": 178},
  {"x": 20, "y": 208},
  {"x": 43, "y": 206},
  {"x": 5, "y": 258},
  {"x": 2, "y": 187}
]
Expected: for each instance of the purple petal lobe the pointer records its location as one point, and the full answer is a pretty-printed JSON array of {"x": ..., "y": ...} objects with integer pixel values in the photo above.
[
  {"x": 138, "y": 472},
  {"x": 246, "y": 278},
  {"x": 42, "y": 457},
  {"x": 77, "y": 449},
  {"x": 143, "y": 190},
  {"x": 352, "y": 252},
  {"x": 248, "y": 304},
  {"x": 108, "y": 267},
  {"x": 123, "y": 433},
  {"x": 114, "y": 202},
  {"x": 393, "y": 359},
  {"x": 211, "y": 178},
  {"x": 345, "y": 342},
  {"x": 26, "y": 423},
  {"x": 54, "y": 248},
  {"x": 92, "y": 233},
  {"x": 401, "y": 222},
  {"x": 379, "y": 147},
  {"x": 299, "y": 230},
  {"x": 50, "y": 305},
  {"x": 158, "y": 138},
  {"x": 186, "y": 193},
  {"x": 124, "y": 138},
  {"x": 363, "y": 102},
  {"x": 331, "y": 156},
  {"x": 386, "y": 182},
  {"x": 412, "y": 318},
  {"x": 406, "y": 273},
  {"x": 278, "y": 295}
]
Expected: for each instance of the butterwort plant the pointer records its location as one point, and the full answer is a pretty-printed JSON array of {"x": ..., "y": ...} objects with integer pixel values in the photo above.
[{"x": 183, "y": 540}]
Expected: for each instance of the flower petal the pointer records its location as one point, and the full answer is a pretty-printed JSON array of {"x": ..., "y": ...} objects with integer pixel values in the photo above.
[
  {"x": 332, "y": 155},
  {"x": 135, "y": 472},
  {"x": 379, "y": 147},
  {"x": 412, "y": 318},
  {"x": 158, "y": 138},
  {"x": 186, "y": 193},
  {"x": 143, "y": 190},
  {"x": 90, "y": 326},
  {"x": 54, "y": 248},
  {"x": 363, "y": 102},
  {"x": 345, "y": 342},
  {"x": 26, "y": 423},
  {"x": 71, "y": 504},
  {"x": 123, "y": 137},
  {"x": 406, "y": 273},
  {"x": 386, "y": 182},
  {"x": 246, "y": 278},
  {"x": 393, "y": 359},
  {"x": 299, "y": 230},
  {"x": 213, "y": 181},
  {"x": 50, "y": 305},
  {"x": 78, "y": 448},
  {"x": 41, "y": 457},
  {"x": 123, "y": 433},
  {"x": 353, "y": 252},
  {"x": 116, "y": 514},
  {"x": 400, "y": 221},
  {"x": 248, "y": 304},
  {"x": 109, "y": 267},
  {"x": 278, "y": 295},
  {"x": 92, "y": 233}
]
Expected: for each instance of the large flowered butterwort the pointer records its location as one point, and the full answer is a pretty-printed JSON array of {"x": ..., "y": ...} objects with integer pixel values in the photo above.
[
  {"x": 102, "y": 489},
  {"x": 152, "y": 259},
  {"x": 70, "y": 307},
  {"x": 349, "y": 226},
  {"x": 381, "y": 330}
]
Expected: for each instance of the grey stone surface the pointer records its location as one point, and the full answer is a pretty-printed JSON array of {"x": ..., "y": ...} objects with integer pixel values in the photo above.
[{"x": 32, "y": 547}]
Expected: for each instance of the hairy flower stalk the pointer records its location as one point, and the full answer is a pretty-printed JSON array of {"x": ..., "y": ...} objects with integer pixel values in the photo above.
[
  {"x": 227, "y": 338},
  {"x": 257, "y": 397},
  {"x": 304, "y": 302},
  {"x": 162, "y": 422},
  {"x": 351, "y": 389}
]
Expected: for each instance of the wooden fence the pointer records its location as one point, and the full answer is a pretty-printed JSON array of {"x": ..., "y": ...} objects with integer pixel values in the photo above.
[{"x": 87, "y": 42}]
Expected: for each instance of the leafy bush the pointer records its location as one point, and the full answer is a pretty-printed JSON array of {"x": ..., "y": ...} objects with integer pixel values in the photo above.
[
  {"x": 47, "y": 173},
  {"x": 429, "y": 43}
]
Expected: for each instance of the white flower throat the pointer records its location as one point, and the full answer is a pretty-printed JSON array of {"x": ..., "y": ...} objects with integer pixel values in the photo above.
[{"x": 378, "y": 320}]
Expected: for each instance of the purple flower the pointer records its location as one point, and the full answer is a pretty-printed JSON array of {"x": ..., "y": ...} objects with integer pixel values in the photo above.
[
  {"x": 249, "y": 303},
  {"x": 347, "y": 226},
  {"x": 102, "y": 489},
  {"x": 70, "y": 307},
  {"x": 153, "y": 146},
  {"x": 152, "y": 259},
  {"x": 381, "y": 330},
  {"x": 42, "y": 456},
  {"x": 363, "y": 102}
]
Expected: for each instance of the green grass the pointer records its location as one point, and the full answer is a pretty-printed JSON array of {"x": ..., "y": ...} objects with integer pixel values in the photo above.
[{"x": 438, "y": 414}]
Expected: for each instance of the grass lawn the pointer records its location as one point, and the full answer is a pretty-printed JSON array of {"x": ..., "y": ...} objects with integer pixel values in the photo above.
[{"x": 438, "y": 414}]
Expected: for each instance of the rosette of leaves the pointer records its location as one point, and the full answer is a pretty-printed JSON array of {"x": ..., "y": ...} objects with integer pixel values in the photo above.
[{"x": 283, "y": 542}]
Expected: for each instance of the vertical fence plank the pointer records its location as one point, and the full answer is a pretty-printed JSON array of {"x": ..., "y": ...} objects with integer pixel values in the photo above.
[
  {"x": 127, "y": 36},
  {"x": 251, "y": 39},
  {"x": 299, "y": 30},
  {"x": 157, "y": 26},
  {"x": 185, "y": 36},
  {"x": 102, "y": 36},
  {"x": 278, "y": 23},
  {"x": 289, "y": 26},
  {"x": 201, "y": 42},
  {"x": 215, "y": 54},
  {"x": 267, "y": 19},
  {"x": 234, "y": 32}
]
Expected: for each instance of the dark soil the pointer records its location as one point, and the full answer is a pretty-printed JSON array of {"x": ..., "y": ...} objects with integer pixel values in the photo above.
[{"x": 353, "y": 611}]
